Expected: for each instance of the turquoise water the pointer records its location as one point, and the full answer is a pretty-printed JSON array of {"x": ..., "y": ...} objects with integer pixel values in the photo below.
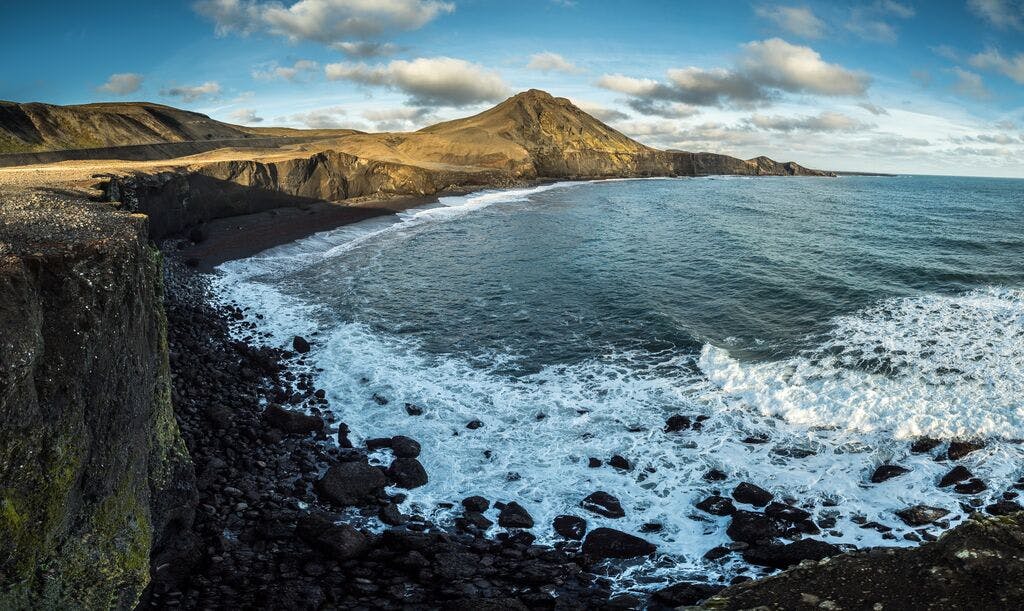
[{"x": 839, "y": 317}]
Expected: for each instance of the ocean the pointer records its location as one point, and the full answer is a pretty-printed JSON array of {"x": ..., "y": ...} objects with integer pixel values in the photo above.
[{"x": 834, "y": 320}]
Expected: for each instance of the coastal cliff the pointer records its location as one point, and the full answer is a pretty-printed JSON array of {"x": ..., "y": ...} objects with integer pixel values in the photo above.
[{"x": 93, "y": 470}]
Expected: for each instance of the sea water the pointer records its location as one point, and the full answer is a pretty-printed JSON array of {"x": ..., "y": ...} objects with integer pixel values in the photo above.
[{"x": 838, "y": 319}]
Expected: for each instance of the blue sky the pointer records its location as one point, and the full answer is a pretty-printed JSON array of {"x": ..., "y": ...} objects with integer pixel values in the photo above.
[{"x": 904, "y": 86}]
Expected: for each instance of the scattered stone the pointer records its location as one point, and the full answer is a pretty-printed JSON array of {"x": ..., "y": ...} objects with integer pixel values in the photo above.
[
  {"x": 971, "y": 486},
  {"x": 477, "y": 520},
  {"x": 684, "y": 594},
  {"x": 752, "y": 527},
  {"x": 957, "y": 474},
  {"x": 610, "y": 543},
  {"x": 405, "y": 447},
  {"x": 413, "y": 410},
  {"x": 340, "y": 541},
  {"x": 619, "y": 462},
  {"x": 300, "y": 345},
  {"x": 603, "y": 504},
  {"x": 717, "y": 553},
  {"x": 408, "y": 473},
  {"x": 651, "y": 527},
  {"x": 751, "y": 494},
  {"x": 677, "y": 423},
  {"x": 959, "y": 449},
  {"x": 756, "y": 439},
  {"x": 474, "y": 425},
  {"x": 717, "y": 505},
  {"x": 920, "y": 515},
  {"x": 292, "y": 421},
  {"x": 924, "y": 444},
  {"x": 514, "y": 515},
  {"x": 570, "y": 527},
  {"x": 476, "y": 503},
  {"x": 786, "y": 513},
  {"x": 351, "y": 483},
  {"x": 376, "y": 443},
  {"x": 1004, "y": 507},
  {"x": 784, "y": 556},
  {"x": 887, "y": 472},
  {"x": 714, "y": 475},
  {"x": 593, "y": 463},
  {"x": 391, "y": 515}
]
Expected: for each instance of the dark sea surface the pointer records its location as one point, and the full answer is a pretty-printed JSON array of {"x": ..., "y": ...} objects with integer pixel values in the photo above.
[{"x": 836, "y": 318}]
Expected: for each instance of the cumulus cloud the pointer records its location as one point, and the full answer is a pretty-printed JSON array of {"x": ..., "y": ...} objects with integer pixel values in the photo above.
[
  {"x": 325, "y": 21},
  {"x": 992, "y": 60},
  {"x": 872, "y": 108},
  {"x": 246, "y": 116},
  {"x": 293, "y": 73},
  {"x": 398, "y": 119},
  {"x": 1003, "y": 14},
  {"x": 552, "y": 62},
  {"x": 601, "y": 113},
  {"x": 799, "y": 21},
  {"x": 869, "y": 21},
  {"x": 434, "y": 81},
  {"x": 122, "y": 83},
  {"x": 366, "y": 48},
  {"x": 668, "y": 110},
  {"x": 870, "y": 29},
  {"x": 332, "y": 117},
  {"x": 823, "y": 122},
  {"x": 193, "y": 92},
  {"x": 969, "y": 84},
  {"x": 763, "y": 69}
]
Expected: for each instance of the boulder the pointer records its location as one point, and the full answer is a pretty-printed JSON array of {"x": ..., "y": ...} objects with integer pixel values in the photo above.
[
  {"x": 514, "y": 515},
  {"x": 752, "y": 527},
  {"x": 887, "y": 472},
  {"x": 603, "y": 504},
  {"x": 407, "y": 473},
  {"x": 919, "y": 515},
  {"x": 339, "y": 541},
  {"x": 570, "y": 527},
  {"x": 677, "y": 423},
  {"x": 957, "y": 474},
  {"x": 476, "y": 503},
  {"x": 351, "y": 483},
  {"x": 1004, "y": 507},
  {"x": 786, "y": 513},
  {"x": 785, "y": 556},
  {"x": 619, "y": 462},
  {"x": 959, "y": 449},
  {"x": 610, "y": 543},
  {"x": 292, "y": 421},
  {"x": 971, "y": 486},
  {"x": 924, "y": 444},
  {"x": 684, "y": 594},
  {"x": 751, "y": 494},
  {"x": 717, "y": 505},
  {"x": 300, "y": 345},
  {"x": 405, "y": 447}
]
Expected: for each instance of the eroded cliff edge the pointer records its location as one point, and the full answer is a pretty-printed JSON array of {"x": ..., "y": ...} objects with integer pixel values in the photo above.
[{"x": 93, "y": 470}]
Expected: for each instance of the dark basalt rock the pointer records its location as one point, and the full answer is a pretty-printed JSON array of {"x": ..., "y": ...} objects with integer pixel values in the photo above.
[
  {"x": 476, "y": 503},
  {"x": 300, "y": 345},
  {"x": 957, "y": 474},
  {"x": 924, "y": 444},
  {"x": 408, "y": 473},
  {"x": 785, "y": 556},
  {"x": 378, "y": 443},
  {"x": 971, "y": 486},
  {"x": 619, "y": 462},
  {"x": 752, "y": 527},
  {"x": 611, "y": 543},
  {"x": 887, "y": 472},
  {"x": 514, "y": 515},
  {"x": 1004, "y": 507},
  {"x": 405, "y": 447},
  {"x": 351, "y": 483},
  {"x": 603, "y": 504},
  {"x": 751, "y": 494},
  {"x": 920, "y": 515},
  {"x": 714, "y": 475},
  {"x": 474, "y": 424},
  {"x": 413, "y": 409},
  {"x": 391, "y": 515},
  {"x": 959, "y": 449},
  {"x": 677, "y": 423},
  {"x": 717, "y": 505},
  {"x": 594, "y": 463},
  {"x": 292, "y": 421},
  {"x": 570, "y": 527},
  {"x": 683, "y": 594},
  {"x": 786, "y": 513},
  {"x": 340, "y": 541}
]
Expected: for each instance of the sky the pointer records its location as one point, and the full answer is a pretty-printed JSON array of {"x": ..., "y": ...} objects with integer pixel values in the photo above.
[{"x": 907, "y": 86}]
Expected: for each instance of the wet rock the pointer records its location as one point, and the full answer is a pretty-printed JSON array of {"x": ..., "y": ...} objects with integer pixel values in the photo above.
[
  {"x": 784, "y": 556},
  {"x": 677, "y": 423},
  {"x": 405, "y": 447},
  {"x": 292, "y": 421},
  {"x": 919, "y": 515},
  {"x": 752, "y": 527},
  {"x": 514, "y": 515},
  {"x": 377, "y": 443},
  {"x": 756, "y": 439},
  {"x": 379, "y": 400},
  {"x": 611, "y": 543},
  {"x": 651, "y": 527},
  {"x": 717, "y": 506},
  {"x": 959, "y": 449},
  {"x": 971, "y": 486},
  {"x": 619, "y": 462},
  {"x": 957, "y": 474},
  {"x": 570, "y": 527},
  {"x": 1004, "y": 507},
  {"x": 408, "y": 473},
  {"x": 887, "y": 472},
  {"x": 413, "y": 409},
  {"x": 924, "y": 444},
  {"x": 684, "y": 594},
  {"x": 603, "y": 504},
  {"x": 351, "y": 483},
  {"x": 786, "y": 513},
  {"x": 714, "y": 475},
  {"x": 477, "y": 520},
  {"x": 476, "y": 503},
  {"x": 391, "y": 515},
  {"x": 474, "y": 424},
  {"x": 751, "y": 494},
  {"x": 300, "y": 345},
  {"x": 340, "y": 541},
  {"x": 343, "y": 440},
  {"x": 594, "y": 463},
  {"x": 717, "y": 553}
]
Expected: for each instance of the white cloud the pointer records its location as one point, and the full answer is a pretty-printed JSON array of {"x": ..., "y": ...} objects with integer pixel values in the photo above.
[
  {"x": 246, "y": 116},
  {"x": 434, "y": 81},
  {"x": 366, "y": 49},
  {"x": 552, "y": 62},
  {"x": 325, "y": 21},
  {"x": 822, "y": 122},
  {"x": 398, "y": 119},
  {"x": 969, "y": 84},
  {"x": 872, "y": 29},
  {"x": 903, "y": 11},
  {"x": 1003, "y": 14},
  {"x": 122, "y": 83},
  {"x": 292, "y": 73},
  {"x": 332, "y": 117},
  {"x": 193, "y": 92},
  {"x": 668, "y": 110},
  {"x": 873, "y": 108},
  {"x": 799, "y": 21},
  {"x": 993, "y": 60},
  {"x": 601, "y": 113},
  {"x": 763, "y": 69}
]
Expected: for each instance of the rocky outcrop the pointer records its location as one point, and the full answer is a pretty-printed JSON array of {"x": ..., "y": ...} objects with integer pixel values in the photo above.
[
  {"x": 93, "y": 471},
  {"x": 977, "y": 565}
]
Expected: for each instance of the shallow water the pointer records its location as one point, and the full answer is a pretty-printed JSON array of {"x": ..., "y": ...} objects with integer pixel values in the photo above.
[{"x": 838, "y": 317}]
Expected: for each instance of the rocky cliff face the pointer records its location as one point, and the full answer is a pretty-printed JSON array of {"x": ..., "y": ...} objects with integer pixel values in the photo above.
[{"x": 92, "y": 468}]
